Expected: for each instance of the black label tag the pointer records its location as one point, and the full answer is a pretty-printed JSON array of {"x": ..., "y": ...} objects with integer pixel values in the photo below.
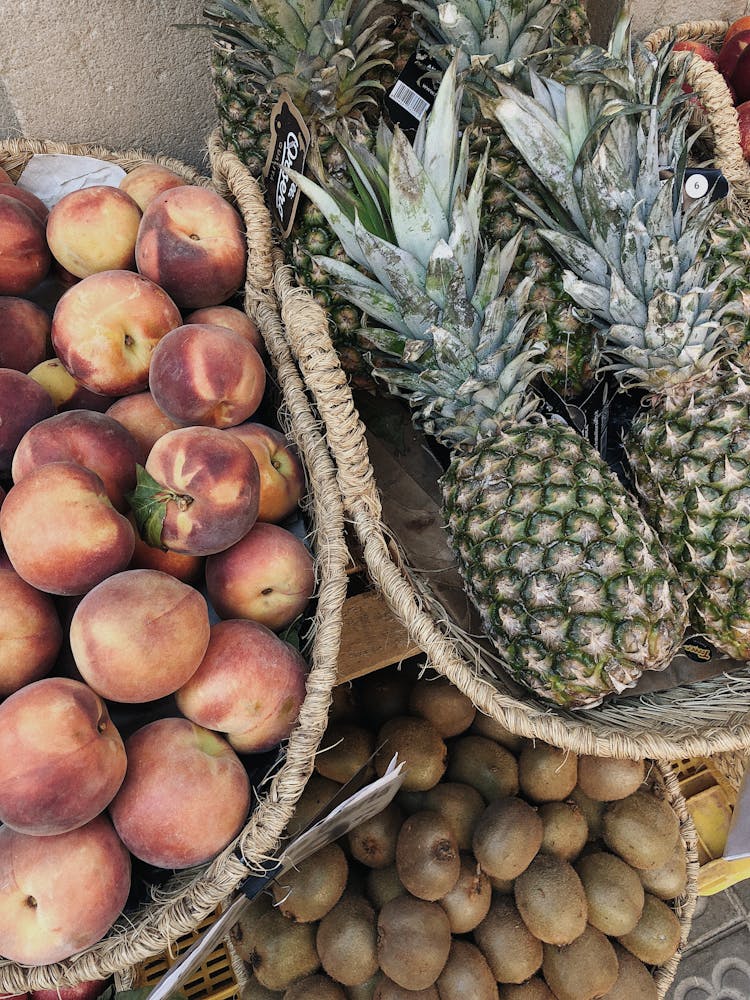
[
  {"x": 413, "y": 93},
  {"x": 697, "y": 648},
  {"x": 705, "y": 183},
  {"x": 590, "y": 418},
  {"x": 290, "y": 139}
]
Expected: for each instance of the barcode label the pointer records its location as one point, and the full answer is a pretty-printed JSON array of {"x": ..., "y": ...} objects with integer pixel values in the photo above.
[{"x": 409, "y": 99}]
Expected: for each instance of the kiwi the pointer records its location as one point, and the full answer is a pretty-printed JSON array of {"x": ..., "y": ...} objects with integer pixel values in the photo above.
[
  {"x": 468, "y": 902},
  {"x": 633, "y": 978},
  {"x": 282, "y": 951},
  {"x": 382, "y": 885},
  {"x": 314, "y": 886},
  {"x": 347, "y": 941},
  {"x": 565, "y": 829},
  {"x": 483, "y": 764},
  {"x": 419, "y": 745},
  {"x": 605, "y": 779},
  {"x": 388, "y": 990},
  {"x": 366, "y": 990},
  {"x": 317, "y": 793},
  {"x": 466, "y": 974},
  {"x": 533, "y": 989},
  {"x": 670, "y": 879},
  {"x": 507, "y": 836},
  {"x": 427, "y": 856},
  {"x": 613, "y": 891},
  {"x": 344, "y": 749},
  {"x": 373, "y": 842},
  {"x": 252, "y": 990},
  {"x": 317, "y": 987},
  {"x": 485, "y": 725},
  {"x": 442, "y": 704},
  {"x": 242, "y": 934},
  {"x": 550, "y": 898},
  {"x": 385, "y": 694},
  {"x": 582, "y": 970},
  {"x": 656, "y": 936},
  {"x": 546, "y": 774},
  {"x": 345, "y": 704},
  {"x": 460, "y": 804},
  {"x": 414, "y": 939},
  {"x": 511, "y": 950},
  {"x": 502, "y": 885},
  {"x": 642, "y": 829},
  {"x": 593, "y": 811}
]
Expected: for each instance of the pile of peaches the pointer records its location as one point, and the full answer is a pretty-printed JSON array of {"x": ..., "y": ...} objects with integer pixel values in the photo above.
[{"x": 151, "y": 563}]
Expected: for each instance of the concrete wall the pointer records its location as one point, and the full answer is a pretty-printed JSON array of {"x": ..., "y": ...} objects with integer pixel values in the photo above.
[{"x": 651, "y": 14}]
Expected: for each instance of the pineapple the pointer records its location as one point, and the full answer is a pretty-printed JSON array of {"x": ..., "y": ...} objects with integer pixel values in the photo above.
[
  {"x": 572, "y": 585},
  {"x": 641, "y": 262}
]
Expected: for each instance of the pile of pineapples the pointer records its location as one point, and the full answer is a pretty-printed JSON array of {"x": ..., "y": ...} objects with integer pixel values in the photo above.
[{"x": 583, "y": 580}]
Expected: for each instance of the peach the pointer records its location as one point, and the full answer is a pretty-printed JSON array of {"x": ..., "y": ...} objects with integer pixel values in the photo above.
[
  {"x": 23, "y": 403},
  {"x": 30, "y": 200},
  {"x": 699, "y": 48},
  {"x": 282, "y": 477},
  {"x": 741, "y": 24},
  {"x": 139, "y": 635},
  {"x": 61, "y": 532},
  {"x": 730, "y": 52},
  {"x": 24, "y": 333},
  {"x": 192, "y": 243},
  {"x": 233, "y": 319},
  {"x": 189, "y": 569},
  {"x": 249, "y": 685},
  {"x": 31, "y": 635},
  {"x": 207, "y": 375},
  {"x": 94, "y": 229},
  {"x": 199, "y": 493},
  {"x": 740, "y": 80},
  {"x": 743, "y": 116},
  {"x": 61, "y": 758},
  {"x": 268, "y": 576},
  {"x": 5, "y": 177},
  {"x": 186, "y": 794},
  {"x": 105, "y": 328},
  {"x": 145, "y": 182},
  {"x": 94, "y": 440},
  {"x": 140, "y": 414},
  {"x": 60, "y": 894},
  {"x": 25, "y": 259},
  {"x": 89, "y": 989},
  {"x": 66, "y": 392}
]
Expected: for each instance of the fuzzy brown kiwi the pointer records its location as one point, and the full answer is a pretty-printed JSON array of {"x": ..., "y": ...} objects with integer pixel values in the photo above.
[
  {"x": 606, "y": 779},
  {"x": 582, "y": 970},
  {"x": 282, "y": 951},
  {"x": 419, "y": 745},
  {"x": 345, "y": 748},
  {"x": 414, "y": 939},
  {"x": 533, "y": 989},
  {"x": 388, "y": 990},
  {"x": 385, "y": 694},
  {"x": 460, "y": 804},
  {"x": 314, "y": 886},
  {"x": 468, "y": 902},
  {"x": 442, "y": 704},
  {"x": 670, "y": 879},
  {"x": 383, "y": 885},
  {"x": 466, "y": 974},
  {"x": 483, "y": 764},
  {"x": 366, "y": 990},
  {"x": 613, "y": 891},
  {"x": 373, "y": 842},
  {"x": 317, "y": 793},
  {"x": 546, "y": 774},
  {"x": 503, "y": 886},
  {"x": 593, "y": 811},
  {"x": 656, "y": 936},
  {"x": 347, "y": 941},
  {"x": 427, "y": 855},
  {"x": 243, "y": 932},
  {"x": 253, "y": 990},
  {"x": 511, "y": 950},
  {"x": 565, "y": 829},
  {"x": 642, "y": 829},
  {"x": 485, "y": 725},
  {"x": 507, "y": 836},
  {"x": 316, "y": 987},
  {"x": 633, "y": 978},
  {"x": 550, "y": 898},
  {"x": 345, "y": 704}
]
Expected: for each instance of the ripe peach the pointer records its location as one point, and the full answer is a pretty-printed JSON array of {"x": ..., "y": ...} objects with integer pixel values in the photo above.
[
  {"x": 61, "y": 758},
  {"x": 61, "y": 532},
  {"x": 30, "y": 631},
  {"x": 743, "y": 116},
  {"x": 5, "y": 177},
  {"x": 207, "y": 375},
  {"x": 60, "y": 894},
  {"x": 206, "y": 485},
  {"x": 30, "y": 200},
  {"x": 106, "y": 327},
  {"x": 699, "y": 48},
  {"x": 94, "y": 440},
  {"x": 90, "y": 989},
  {"x": 25, "y": 259},
  {"x": 140, "y": 414},
  {"x": 282, "y": 477},
  {"x": 249, "y": 685},
  {"x": 24, "y": 333},
  {"x": 186, "y": 794},
  {"x": 23, "y": 403},
  {"x": 741, "y": 24},
  {"x": 189, "y": 569},
  {"x": 730, "y": 52},
  {"x": 192, "y": 243},
  {"x": 233, "y": 319},
  {"x": 94, "y": 230},
  {"x": 145, "y": 182},
  {"x": 139, "y": 635},
  {"x": 268, "y": 576},
  {"x": 740, "y": 80},
  {"x": 66, "y": 392}
]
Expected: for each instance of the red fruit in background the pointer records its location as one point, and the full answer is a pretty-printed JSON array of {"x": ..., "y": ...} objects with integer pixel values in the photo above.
[
  {"x": 23, "y": 403},
  {"x": 730, "y": 52},
  {"x": 700, "y": 49},
  {"x": 28, "y": 199},
  {"x": 24, "y": 333},
  {"x": 741, "y": 77},
  {"x": 741, "y": 24},
  {"x": 743, "y": 116},
  {"x": 25, "y": 259},
  {"x": 88, "y": 990}
]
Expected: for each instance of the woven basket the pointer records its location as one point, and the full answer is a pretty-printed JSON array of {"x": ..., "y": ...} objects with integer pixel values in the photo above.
[{"x": 178, "y": 907}]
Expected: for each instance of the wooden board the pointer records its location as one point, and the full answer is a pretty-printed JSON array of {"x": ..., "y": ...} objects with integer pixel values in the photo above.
[{"x": 371, "y": 637}]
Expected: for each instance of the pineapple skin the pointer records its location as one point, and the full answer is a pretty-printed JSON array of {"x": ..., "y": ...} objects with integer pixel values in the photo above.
[{"x": 573, "y": 587}]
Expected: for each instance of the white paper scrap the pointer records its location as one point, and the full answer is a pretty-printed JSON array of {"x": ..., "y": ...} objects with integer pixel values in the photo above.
[{"x": 51, "y": 175}]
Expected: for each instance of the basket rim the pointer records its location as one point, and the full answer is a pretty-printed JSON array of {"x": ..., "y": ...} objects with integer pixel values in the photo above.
[{"x": 189, "y": 897}]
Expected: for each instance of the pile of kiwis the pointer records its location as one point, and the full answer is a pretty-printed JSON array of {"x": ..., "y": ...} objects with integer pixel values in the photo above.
[{"x": 505, "y": 869}]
